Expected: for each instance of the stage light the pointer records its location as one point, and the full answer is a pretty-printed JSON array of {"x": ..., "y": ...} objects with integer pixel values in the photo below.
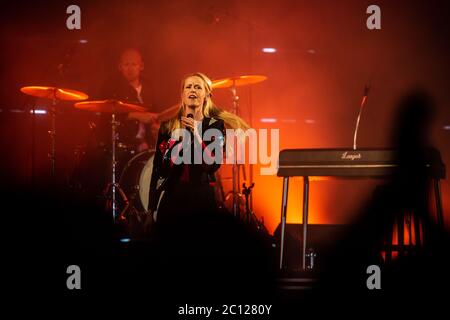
[
  {"x": 268, "y": 120},
  {"x": 83, "y": 41},
  {"x": 310, "y": 121},
  {"x": 125, "y": 240},
  {"x": 447, "y": 127},
  {"x": 269, "y": 50},
  {"x": 39, "y": 111}
]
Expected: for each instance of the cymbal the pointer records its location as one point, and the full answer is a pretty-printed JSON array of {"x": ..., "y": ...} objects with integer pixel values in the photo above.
[
  {"x": 54, "y": 93},
  {"x": 237, "y": 81},
  {"x": 109, "y": 106}
]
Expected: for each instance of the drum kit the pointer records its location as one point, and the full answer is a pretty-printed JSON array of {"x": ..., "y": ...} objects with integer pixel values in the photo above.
[{"x": 127, "y": 190}]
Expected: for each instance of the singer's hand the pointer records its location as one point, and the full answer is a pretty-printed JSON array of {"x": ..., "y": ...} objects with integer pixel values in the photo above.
[
  {"x": 189, "y": 123},
  {"x": 192, "y": 125}
]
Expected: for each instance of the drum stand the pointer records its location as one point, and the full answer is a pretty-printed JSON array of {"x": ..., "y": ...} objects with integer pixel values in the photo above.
[
  {"x": 55, "y": 95},
  {"x": 250, "y": 216},
  {"x": 235, "y": 169},
  {"x": 247, "y": 191},
  {"x": 52, "y": 134},
  {"x": 113, "y": 187}
]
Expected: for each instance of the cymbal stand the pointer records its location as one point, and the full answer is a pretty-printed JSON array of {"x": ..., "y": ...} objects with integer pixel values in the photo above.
[
  {"x": 235, "y": 167},
  {"x": 113, "y": 186},
  {"x": 247, "y": 191},
  {"x": 52, "y": 134}
]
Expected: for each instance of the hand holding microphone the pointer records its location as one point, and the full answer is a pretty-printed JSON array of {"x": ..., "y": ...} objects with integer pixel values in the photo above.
[{"x": 190, "y": 124}]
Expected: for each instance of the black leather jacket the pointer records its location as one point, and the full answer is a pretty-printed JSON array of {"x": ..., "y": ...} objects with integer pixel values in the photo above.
[{"x": 166, "y": 173}]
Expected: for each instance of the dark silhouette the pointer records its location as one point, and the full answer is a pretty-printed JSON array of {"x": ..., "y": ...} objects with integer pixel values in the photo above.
[{"x": 413, "y": 273}]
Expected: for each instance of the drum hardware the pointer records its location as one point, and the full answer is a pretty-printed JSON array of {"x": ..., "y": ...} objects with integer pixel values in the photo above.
[
  {"x": 310, "y": 259},
  {"x": 250, "y": 216},
  {"x": 111, "y": 201},
  {"x": 237, "y": 199},
  {"x": 237, "y": 81},
  {"x": 232, "y": 83},
  {"x": 135, "y": 182},
  {"x": 55, "y": 95},
  {"x": 246, "y": 191},
  {"x": 113, "y": 107}
]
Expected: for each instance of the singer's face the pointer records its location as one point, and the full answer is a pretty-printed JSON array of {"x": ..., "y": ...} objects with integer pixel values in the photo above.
[{"x": 194, "y": 92}]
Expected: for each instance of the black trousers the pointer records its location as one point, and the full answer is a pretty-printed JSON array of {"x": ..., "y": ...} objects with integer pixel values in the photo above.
[{"x": 183, "y": 202}]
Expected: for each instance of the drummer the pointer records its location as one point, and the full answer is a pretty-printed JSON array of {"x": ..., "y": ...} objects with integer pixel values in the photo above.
[{"x": 141, "y": 128}]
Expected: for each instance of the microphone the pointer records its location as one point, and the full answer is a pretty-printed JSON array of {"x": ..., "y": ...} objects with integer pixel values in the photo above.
[
  {"x": 363, "y": 102},
  {"x": 366, "y": 90},
  {"x": 366, "y": 93},
  {"x": 190, "y": 115}
]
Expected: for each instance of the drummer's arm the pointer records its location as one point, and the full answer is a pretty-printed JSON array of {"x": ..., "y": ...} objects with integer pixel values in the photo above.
[
  {"x": 150, "y": 117},
  {"x": 144, "y": 117}
]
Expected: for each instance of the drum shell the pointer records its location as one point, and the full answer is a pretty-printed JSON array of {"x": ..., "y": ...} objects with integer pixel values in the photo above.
[{"x": 135, "y": 180}]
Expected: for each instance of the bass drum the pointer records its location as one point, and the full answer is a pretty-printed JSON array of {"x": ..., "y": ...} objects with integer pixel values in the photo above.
[{"x": 135, "y": 180}]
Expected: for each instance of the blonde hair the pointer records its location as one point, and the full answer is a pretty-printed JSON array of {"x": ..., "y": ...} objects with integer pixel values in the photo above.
[{"x": 209, "y": 109}]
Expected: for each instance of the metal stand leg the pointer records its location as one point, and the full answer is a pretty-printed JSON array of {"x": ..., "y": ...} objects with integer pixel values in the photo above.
[
  {"x": 52, "y": 133},
  {"x": 283, "y": 217},
  {"x": 305, "y": 217},
  {"x": 235, "y": 170},
  {"x": 438, "y": 199},
  {"x": 113, "y": 160}
]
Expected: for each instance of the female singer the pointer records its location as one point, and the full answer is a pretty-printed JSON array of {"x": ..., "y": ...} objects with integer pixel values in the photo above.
[{"x": 180, "y": 191}]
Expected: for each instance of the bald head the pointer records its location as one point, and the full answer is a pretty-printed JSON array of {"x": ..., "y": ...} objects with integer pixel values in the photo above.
[{"x": 131, "y": 64}]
